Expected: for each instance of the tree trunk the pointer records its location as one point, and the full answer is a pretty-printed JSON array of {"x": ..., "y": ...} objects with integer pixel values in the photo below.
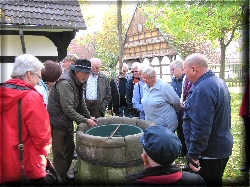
[
  {"x": 223, "y": 59},
  {"x": 119, "y": 25}
]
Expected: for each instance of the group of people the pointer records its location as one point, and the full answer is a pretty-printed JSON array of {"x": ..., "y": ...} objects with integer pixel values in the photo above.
[{"x": 196, "y": 105}]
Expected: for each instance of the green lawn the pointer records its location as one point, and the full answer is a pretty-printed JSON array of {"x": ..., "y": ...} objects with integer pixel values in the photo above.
[{"x": 232, "y": 175}]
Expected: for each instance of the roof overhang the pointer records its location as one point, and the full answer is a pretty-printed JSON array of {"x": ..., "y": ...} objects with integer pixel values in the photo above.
[{"x": 41, "y": 28}]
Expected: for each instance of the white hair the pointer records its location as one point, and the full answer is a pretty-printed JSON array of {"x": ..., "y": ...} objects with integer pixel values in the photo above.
[
  {"x": 149, "y": 71},
  {"x": 24, "y": 63}
]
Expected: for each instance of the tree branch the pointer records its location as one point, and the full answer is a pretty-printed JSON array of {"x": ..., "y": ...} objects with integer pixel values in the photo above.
[{"x": 232, "y": 35}]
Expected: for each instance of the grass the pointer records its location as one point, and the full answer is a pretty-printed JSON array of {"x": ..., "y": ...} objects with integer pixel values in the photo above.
[{"x": 232, "y": 175}]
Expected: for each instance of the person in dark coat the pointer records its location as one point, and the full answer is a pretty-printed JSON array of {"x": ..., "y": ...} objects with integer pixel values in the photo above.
[
  {"x": 177, "y": 84},
  {"x": 66, "y": 105},
  {"x": 161, "y": 148},
  {"x": 207, "y": 121},
  {"x": 133, "y": 112},
  {"x": 118, "y": 105}
]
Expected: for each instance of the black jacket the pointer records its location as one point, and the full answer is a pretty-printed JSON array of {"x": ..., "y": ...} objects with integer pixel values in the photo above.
[
  {"x": 165, "y": 176},
  {"x": 118, "y": 93}
]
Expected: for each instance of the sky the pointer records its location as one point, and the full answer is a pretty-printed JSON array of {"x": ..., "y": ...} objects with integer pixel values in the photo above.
[{"x": 99, "y": 8}]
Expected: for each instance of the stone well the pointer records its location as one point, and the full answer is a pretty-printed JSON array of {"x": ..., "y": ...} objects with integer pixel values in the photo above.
[{"x": 105, "y": 160}]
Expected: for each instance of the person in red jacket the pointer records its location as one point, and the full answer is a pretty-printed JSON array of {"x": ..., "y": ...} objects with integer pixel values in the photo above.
[
  {"x": 244, "y": 112},
  {"x": 36, "y": 131}
]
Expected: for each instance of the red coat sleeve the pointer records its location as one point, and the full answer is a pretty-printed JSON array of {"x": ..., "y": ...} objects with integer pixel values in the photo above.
[{"x": 244, "y": 108}]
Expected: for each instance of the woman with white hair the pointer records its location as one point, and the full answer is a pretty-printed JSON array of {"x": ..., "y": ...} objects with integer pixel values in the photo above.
[
  {"x": 160, "y": 102},
  {"x": 36, "y": 132}
]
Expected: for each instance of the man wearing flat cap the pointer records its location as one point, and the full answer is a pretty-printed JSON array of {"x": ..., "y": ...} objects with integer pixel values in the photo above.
[
  {"x": 161, "y": 147},
  {"x": 66, "y": 105}
]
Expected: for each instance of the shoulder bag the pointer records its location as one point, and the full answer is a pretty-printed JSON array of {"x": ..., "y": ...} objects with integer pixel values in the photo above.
[{"x": 52, "y": 178}]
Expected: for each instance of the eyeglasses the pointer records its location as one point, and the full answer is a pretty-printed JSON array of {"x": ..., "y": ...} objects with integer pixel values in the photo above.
[
  {"x": 146, "y": 79},
  {"x": 94, "y": 67},
  {"x": 40, "y": 76},
  {"x": 133, "y": 71}
]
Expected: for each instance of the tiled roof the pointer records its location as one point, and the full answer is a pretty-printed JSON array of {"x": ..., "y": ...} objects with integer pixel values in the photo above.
[{"x": 42, "y": 13}]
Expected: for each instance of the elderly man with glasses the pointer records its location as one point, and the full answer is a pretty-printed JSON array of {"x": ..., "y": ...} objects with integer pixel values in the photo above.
[
  {"x": 133, "y": 112},
  {"x": 98, "y": 91}
]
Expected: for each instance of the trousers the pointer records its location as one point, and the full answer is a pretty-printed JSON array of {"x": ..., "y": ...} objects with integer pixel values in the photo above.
[
  {"x": 63, "y": 147},
  {"x": 212, "y": 170},
  {"x": 93, "y": 108}
]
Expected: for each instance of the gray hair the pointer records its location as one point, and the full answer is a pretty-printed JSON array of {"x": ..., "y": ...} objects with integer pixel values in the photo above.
[
  {"x": 178, "y": 63},
  {"x": 149, "y": 71},
  {"x": 135, "y": 64},
  {"x": 24, "y": 63},
  {"x": 71, "y": 57},
  {"x": 96, "y": 60},
  {"x": 197, "y": 59}
]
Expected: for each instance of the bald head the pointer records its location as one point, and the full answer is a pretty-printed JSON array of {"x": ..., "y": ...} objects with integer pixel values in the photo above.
[
  {"x": 198, "y": 60},
  {"x": 195, "y": 66}
]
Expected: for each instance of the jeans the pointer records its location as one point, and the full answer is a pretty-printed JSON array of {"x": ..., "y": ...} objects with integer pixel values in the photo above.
[{"x": 123, "y": 110}]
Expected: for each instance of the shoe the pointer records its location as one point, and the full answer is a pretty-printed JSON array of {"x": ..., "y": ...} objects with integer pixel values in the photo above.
[
  {"x": 244, "y": 169},
  {"x": 185, "y": 168},
  {"x": 75, "y": 157},
  {"x": 70, "y": 178}
]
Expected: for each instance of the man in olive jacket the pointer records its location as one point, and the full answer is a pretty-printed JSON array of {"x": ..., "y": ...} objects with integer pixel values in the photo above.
[
  {"x": 65, "y": 105},
  {"x": 98, "y": 90}
]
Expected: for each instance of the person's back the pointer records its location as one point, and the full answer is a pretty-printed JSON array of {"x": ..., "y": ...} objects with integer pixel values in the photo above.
[{"x": 187, "y": 179}]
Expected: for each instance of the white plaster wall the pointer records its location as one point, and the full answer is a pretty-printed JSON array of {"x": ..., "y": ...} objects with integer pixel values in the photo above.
[
  {"x": 11, "y": 46},
  {"x": 35, "y": 45},
  {"x": 5, "y": 71}
]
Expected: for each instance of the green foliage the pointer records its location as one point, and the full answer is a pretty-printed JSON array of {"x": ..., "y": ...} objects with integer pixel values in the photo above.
[
  {"x": 192, "y": 20},
  {"x": 199, "y": 21},
  {"x": 232, "y": 175},
  {"x": 107, "y": 38},
  {"x": 105, "y": 41}
]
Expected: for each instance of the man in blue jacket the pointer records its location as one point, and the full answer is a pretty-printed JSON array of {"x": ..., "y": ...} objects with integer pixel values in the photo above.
[{"x": 207, "y": 121}]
